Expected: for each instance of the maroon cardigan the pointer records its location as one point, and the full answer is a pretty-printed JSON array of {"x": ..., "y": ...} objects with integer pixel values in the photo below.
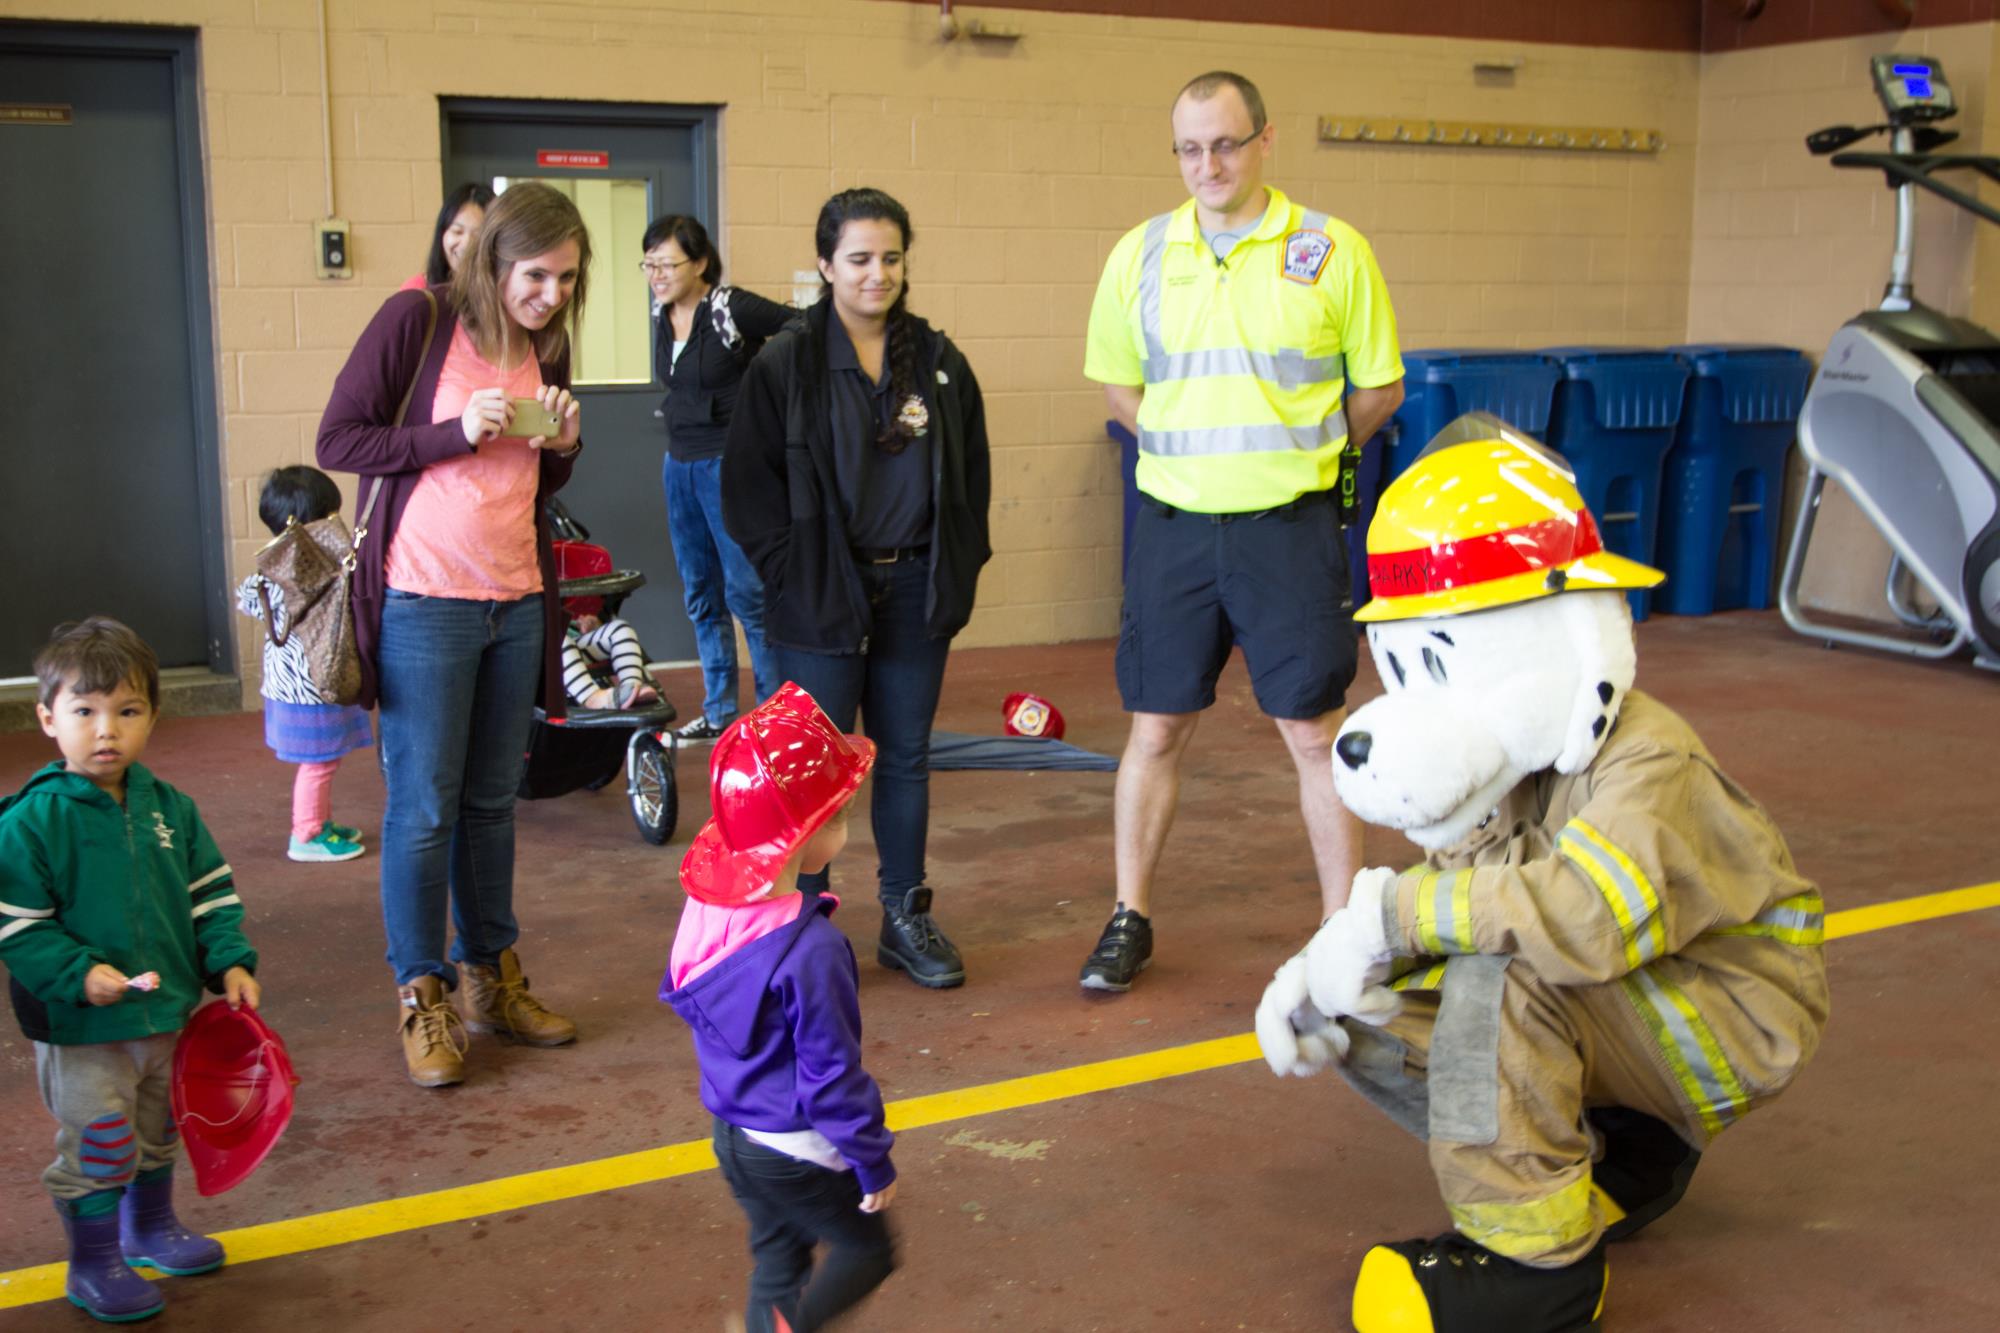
[{"x": 354, "y": 436}]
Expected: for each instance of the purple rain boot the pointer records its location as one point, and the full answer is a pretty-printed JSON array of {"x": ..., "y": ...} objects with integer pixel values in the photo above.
[
  {"x": 100, "y": 1282},
  {"x": 153, "y": 1237}
]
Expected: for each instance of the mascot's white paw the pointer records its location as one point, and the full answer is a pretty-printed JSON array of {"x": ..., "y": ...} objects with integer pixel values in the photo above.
[
  {"x": 1296, "y": 1039},
  {"x": 1348, "y": 960}
]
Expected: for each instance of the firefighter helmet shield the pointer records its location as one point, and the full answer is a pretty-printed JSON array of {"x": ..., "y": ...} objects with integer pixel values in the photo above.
[{"x": 1031, "y": 715}]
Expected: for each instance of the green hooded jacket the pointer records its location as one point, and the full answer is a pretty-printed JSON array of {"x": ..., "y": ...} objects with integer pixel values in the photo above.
[{"x": 142, "y": 887}]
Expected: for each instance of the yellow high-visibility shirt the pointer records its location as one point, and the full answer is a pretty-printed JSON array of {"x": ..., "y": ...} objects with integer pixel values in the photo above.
[{"x": 1245, "y": 359}]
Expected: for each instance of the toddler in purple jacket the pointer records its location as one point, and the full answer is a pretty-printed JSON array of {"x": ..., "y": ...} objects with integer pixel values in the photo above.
[{"x": 770, "y": 989}]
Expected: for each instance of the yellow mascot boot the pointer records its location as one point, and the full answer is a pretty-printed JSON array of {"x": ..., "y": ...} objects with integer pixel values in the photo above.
[{"x": 1450, "y": 1285}]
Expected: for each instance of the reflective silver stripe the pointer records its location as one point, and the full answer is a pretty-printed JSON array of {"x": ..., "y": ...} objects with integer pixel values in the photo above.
[
  {"x": 1152, "y": 277},
  {"x": 20, "y": 926},
  {"x": 1454, "y": 900},
  {"x": 1691, "y": 1049},
  {"x": 214, "y": 903},
  {"x": 1288, "y": 368},
  {"x": 208, "y": 879},
  {"x": 1628, "y": 894},
  {"x": 1313, "y": 219},
  {"x": 1450, "y": 911},
  {"x": 1799, "y": 919},
  {"x": 12, "y": 910},
  {"x": 1243, "y": 439}
]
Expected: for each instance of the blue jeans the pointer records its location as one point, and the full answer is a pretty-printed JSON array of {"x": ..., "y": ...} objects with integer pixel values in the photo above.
[
  {"x": 458, "y": 691},
  {"x": 719, "y": 581},
  {"x": 895, "y": 684}
]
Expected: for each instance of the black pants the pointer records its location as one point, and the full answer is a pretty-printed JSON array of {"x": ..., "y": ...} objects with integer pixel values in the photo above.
[{"x": 792, "y": 1206}]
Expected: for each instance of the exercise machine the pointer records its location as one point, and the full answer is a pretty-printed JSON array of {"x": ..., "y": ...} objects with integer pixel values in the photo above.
[{"x": 1904, "y": 411}]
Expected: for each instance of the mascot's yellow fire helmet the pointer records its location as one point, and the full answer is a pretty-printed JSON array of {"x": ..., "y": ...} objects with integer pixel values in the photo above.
[{"x": 1485, "y": 517}]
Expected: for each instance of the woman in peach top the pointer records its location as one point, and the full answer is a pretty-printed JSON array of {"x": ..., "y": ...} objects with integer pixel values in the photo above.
[{"x": 454, "y": 602}]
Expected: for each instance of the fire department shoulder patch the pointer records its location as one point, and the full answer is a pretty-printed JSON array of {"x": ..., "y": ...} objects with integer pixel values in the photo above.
[{"x": 1305, "y": 255}]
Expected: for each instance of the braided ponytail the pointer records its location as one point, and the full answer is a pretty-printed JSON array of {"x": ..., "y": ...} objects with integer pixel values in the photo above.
[{"x": 902, "y": 357}]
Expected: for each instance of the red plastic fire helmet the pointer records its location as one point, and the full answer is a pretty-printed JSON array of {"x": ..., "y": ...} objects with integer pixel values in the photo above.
[
  {"x": 778, "y": 773},
  {"x": 233, "y": 1084},
  {"x": 1032, "y": 715}
]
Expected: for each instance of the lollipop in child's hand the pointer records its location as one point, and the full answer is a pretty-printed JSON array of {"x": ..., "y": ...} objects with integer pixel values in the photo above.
[{"x": 144, "y": 981}]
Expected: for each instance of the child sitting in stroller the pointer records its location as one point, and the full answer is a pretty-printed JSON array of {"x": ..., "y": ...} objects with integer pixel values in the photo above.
[{"x": 603, "y": 665}]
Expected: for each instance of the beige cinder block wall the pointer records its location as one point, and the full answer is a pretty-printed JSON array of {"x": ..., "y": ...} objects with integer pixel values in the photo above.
[
  {"x": 1787, "y": 248},
  {"x": 1020, "y": 164}
]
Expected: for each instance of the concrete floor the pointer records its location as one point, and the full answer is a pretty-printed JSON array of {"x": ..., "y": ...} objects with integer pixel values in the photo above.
[{"x": 1865, "y": 1199}]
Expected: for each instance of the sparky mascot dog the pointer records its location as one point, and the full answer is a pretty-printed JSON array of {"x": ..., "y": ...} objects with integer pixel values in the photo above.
[{"x": 1608, "y": 956}]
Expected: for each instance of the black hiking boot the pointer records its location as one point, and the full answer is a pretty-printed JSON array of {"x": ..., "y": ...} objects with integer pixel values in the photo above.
[{"x": 912, "y": 943}]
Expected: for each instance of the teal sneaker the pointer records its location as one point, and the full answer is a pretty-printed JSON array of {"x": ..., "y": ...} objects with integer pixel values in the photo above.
[
  {"x": 344, "y": 833},
  {"x": 325, "y": 846}
]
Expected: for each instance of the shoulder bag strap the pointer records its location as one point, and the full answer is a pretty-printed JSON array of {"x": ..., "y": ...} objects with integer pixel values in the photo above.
[{"x": 402, "y": 419}]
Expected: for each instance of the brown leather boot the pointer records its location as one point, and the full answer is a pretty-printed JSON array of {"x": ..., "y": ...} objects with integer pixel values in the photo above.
[
  {"x": 434, "y": 1040},
  {"x": 496, "y": 1000}
]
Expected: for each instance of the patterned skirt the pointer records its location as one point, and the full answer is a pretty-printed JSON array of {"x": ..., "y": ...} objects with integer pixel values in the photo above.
[{"x": 314, "y": 733}]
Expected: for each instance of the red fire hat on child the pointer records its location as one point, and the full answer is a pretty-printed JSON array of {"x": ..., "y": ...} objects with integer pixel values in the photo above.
[
  {"x": 778, "y": 773},
  {"x": 1032, "y": 715},
  {"x": 232, "y": 1091}
]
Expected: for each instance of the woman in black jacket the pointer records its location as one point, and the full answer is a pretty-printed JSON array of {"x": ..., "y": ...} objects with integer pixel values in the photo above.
[
  {"x": 856, "y": 478},
  {"x": 703, "y": 341}
]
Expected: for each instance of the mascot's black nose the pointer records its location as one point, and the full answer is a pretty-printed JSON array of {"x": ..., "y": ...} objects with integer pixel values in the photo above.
[{"x": 1353, "y": 748}]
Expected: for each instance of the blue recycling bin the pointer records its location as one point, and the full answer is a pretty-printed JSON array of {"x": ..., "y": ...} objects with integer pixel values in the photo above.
[
  {"x": 1725, "y": 476},
  {"x": 1444, "y": 383},
  {"x": 1615, "y": 412}
]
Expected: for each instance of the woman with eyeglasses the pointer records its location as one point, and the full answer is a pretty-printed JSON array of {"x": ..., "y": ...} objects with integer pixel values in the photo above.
[
  {"x": 704, "y": 337},
  {"x": 857, "y": 478}
]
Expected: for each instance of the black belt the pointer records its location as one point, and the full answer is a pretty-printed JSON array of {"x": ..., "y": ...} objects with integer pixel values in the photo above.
[
  {"x": 888, "y": 555},
  {"x": 1291, "y": 510}
]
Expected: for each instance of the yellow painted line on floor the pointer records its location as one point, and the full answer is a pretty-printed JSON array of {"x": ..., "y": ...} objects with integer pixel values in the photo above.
[
  {"x": 343, "y": 1226},
  {"x": 1860, "y": 920}
]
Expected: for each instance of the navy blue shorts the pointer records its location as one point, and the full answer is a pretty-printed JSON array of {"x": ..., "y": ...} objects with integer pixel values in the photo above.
[{"x": 1275, "y": 582}]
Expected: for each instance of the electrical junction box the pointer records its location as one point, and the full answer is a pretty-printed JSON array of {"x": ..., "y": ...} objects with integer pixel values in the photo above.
[{"x": 333, "y": 255}]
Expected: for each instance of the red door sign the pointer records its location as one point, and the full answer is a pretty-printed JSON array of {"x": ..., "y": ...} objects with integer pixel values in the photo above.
[{"x": 569, "y": 157}]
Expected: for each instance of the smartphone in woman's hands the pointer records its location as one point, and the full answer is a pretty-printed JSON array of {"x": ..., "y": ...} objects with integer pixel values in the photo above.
[{"x": 532, "y": 419}]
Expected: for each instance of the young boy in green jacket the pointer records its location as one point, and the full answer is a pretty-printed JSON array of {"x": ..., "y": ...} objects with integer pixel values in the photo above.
[{"x": 115, "y": 910}]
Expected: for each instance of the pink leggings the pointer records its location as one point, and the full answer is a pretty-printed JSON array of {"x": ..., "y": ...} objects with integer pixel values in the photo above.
[{"x": 312, "y": 799}]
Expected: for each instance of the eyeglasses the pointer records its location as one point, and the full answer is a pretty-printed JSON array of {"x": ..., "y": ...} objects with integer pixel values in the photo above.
[
  {"x": 1221, "y": 149},
  {"x": 662, "y": 268}
]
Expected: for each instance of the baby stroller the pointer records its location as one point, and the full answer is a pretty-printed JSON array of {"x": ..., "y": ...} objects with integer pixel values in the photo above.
[{"x": 588, "y": 747}]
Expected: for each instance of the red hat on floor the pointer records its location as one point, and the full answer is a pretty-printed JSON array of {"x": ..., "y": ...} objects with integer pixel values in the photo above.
[
  {"x": 1032, "y": 715},
  {"x": 233, "y": 1084},
  {"x": 777, "y": 774}
]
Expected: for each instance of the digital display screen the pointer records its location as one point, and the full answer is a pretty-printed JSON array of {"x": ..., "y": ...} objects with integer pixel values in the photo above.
[{"x": 1916, "y": 81}]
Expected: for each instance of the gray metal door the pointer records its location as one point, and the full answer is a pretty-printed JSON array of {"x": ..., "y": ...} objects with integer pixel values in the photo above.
[
  {"x": 112, "y": 502},
  {"x": 635, "y": 163}
]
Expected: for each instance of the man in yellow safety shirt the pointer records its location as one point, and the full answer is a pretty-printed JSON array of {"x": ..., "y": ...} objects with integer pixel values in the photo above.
[{"x": 1226, "y": 334}]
